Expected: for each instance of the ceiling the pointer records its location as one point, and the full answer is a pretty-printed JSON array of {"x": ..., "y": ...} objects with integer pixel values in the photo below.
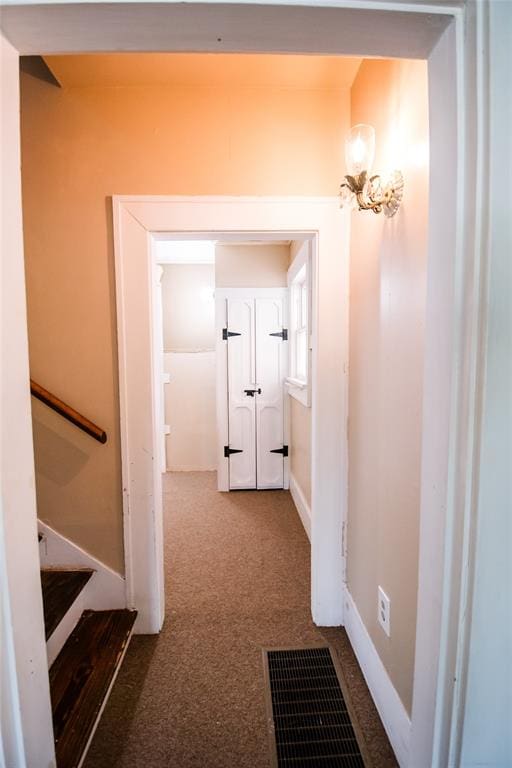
[{"x": 207, "y": 69}]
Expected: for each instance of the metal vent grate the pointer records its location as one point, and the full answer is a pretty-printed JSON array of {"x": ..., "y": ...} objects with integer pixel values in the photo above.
[{"x": 310, "y": 722}]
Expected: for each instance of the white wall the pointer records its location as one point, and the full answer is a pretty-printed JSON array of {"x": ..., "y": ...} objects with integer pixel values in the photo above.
[
  {"x": 487, "y": 729},
  {"x": 24, "y": 615},
  {"x": 190, "y": 411},
  {"x": 188, "y": 307},
  {"x": 188, "y": 310}
]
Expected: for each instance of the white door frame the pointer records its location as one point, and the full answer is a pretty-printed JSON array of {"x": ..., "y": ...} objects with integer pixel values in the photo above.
[
  {"x": 459, "y": 82},
  {"x": 221, "y": 363},
  {"x": 136, "y": 219},
  {"x": 158, "y": 357}
]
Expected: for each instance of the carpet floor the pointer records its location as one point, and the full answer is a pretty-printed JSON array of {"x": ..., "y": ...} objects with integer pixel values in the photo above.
[{"x": 237, "y": 580}]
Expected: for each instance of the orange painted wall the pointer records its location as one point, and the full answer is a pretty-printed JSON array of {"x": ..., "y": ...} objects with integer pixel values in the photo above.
[
  {"x": 80, "y": 145},
  {"x": 387, "y": 317}
]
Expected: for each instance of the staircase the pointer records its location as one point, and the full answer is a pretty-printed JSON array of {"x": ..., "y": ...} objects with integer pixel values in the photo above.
[{"x": 85, "y": 650}]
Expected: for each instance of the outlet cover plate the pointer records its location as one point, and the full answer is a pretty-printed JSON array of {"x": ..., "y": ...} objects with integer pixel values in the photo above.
[{"x": 384, "y": 611}]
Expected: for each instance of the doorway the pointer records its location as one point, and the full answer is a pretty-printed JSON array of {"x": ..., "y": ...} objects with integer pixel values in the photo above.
[
  {"x": 318, "y": 220},
  {"x": 216, "y": 300},
  {"x": 447, "y": 203}
]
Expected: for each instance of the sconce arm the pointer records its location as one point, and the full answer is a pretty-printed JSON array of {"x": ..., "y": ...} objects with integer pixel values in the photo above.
[{"x": 372, "y": 195}]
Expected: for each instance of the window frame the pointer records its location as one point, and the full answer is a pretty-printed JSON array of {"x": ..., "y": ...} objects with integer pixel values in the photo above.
[{"x": 299, "y": 278}]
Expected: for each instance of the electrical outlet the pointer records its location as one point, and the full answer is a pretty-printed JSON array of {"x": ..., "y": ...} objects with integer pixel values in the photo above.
[{"x": 383, "y": 611}]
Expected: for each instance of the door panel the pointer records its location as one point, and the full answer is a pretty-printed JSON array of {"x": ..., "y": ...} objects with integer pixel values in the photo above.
[
  {"x": 270, "y": 375},
  {"x": 241, "y": 408}
]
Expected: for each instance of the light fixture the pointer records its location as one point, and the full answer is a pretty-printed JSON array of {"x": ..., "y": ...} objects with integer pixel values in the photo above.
[{"x": 369, "y": 193}]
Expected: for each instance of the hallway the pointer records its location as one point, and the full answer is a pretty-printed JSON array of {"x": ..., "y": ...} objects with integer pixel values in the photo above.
[{"x": 237, "y": 580}]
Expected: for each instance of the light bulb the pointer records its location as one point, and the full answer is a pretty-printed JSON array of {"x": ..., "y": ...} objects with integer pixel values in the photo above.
[{"x": 359, "y": 149}]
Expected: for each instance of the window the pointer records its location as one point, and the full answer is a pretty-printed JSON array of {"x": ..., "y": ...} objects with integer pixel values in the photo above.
[
  {"x": 299, "y": 363},
  {"x": 300, "y": 310}
]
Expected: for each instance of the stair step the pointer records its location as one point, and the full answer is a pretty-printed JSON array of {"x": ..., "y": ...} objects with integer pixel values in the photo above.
[
  {"x": 60, "y": 590},
  {"x": 81, "y": 678}
]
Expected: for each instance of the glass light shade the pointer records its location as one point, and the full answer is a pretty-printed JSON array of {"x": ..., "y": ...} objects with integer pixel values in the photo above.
[
  {"x": 347, "y": 198},
  {"x": 359, "y": 149}
]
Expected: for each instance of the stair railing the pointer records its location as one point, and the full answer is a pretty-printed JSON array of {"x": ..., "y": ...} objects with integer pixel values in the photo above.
[{"x": 76, "y": 418}]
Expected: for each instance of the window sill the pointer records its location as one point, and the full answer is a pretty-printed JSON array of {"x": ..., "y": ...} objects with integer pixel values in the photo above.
[{"x": 299, "y": 390}]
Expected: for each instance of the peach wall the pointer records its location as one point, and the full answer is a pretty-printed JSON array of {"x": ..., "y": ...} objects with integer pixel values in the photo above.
[
  {"x": 251, "y": 266},
  {"x": 190, "y": 412},
  {"x": 387, "y": 315},
  {"x": 80, "y": 146}
]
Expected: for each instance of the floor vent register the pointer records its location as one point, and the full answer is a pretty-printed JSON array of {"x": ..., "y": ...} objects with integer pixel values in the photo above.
[{"x": 310, "y": 722}]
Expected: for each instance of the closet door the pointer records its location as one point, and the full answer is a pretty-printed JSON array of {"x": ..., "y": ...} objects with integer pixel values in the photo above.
[
  {"x": 241, "y": 405},
  {"x": 270, "y": 375}
]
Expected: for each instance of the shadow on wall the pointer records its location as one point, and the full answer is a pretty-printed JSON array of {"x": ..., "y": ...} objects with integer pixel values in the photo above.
[{"x": 57, "y": 459}]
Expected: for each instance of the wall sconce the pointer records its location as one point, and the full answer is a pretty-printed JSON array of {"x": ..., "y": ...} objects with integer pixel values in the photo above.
[{"x": 369, "y": 193}]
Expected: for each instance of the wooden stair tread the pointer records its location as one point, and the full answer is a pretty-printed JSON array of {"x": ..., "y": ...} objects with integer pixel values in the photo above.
[
  {"x": 81, "y": 676},
  {"x": 60, "y": 590}
]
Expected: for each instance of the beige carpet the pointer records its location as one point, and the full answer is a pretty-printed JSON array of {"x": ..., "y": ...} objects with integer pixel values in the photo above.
[{"x": 237, "y": 580}]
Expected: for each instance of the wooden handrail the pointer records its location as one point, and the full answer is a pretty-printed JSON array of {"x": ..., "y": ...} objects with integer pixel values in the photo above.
[{"x": 69, "y": 413}]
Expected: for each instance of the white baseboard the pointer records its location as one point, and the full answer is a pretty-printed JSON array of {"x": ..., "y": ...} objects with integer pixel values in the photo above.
[
  {"x": 389, "y": 705},
  {"x": 302, "y": 505},
  {"x": 106, "y": 589}
]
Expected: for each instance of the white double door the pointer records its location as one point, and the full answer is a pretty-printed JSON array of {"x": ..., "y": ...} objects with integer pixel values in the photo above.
[{"x": 256, "y": 361}]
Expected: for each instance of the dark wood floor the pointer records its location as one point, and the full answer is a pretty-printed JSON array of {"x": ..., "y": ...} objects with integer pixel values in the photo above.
[
  {"x": 81, "y": 676},
  {"x": 60, "y": 590}
]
